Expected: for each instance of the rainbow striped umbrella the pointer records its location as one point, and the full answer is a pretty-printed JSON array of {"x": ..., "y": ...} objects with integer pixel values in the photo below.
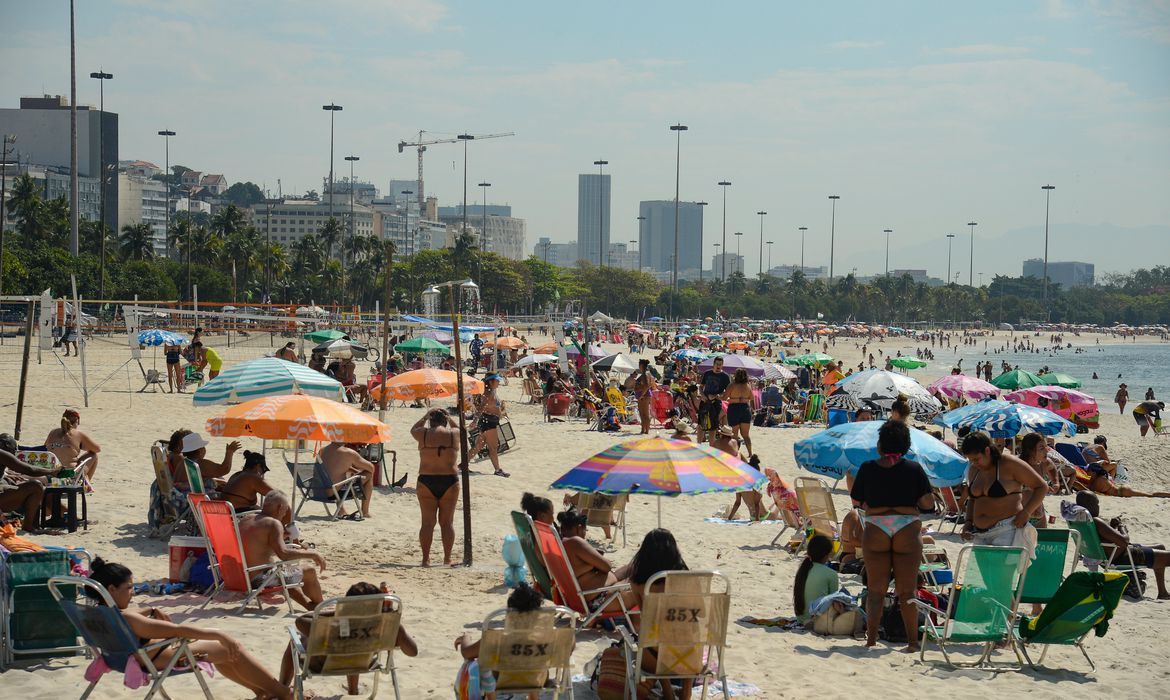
[{"x": 661, "y": 467}]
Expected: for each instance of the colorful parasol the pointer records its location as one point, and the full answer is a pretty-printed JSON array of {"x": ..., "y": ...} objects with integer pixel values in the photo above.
[
  {"x": 324, "y": 335},
  {"x": 958, "y": 386},
  {"x": 546, "y": 349},
  {"x": 298, "y": 417},
  {"x": 508, "y": 343},
  {"x": 752, "y": 366},
  {"x": 266, "y": 376},
  {"x": 811, "y": 359},
  {"x": 1016, "y": 379},
  {"x": 1066, "y": 403},
  {"x": 157, "y": 336},
  {"x": 427, "y": 383},
  {"x": 840, "y": 450},
  {"x": 908, "y": 363},
  {"x": 1001, "y": 419}
]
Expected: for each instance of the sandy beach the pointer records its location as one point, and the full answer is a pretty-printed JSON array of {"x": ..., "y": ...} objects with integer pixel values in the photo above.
[{"x": 441, "y": 603}]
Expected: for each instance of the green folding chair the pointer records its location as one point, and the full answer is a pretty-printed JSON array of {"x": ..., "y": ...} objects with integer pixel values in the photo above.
[
  {"x": 1098, "y": 553},
  {"x": 1084, "y": 603},
  {"x": 1047, "y": 570},
  {"x": 524, "y": 532},
  {"x": 982, "y": 605},
  {"x": 33, "y": 626}
]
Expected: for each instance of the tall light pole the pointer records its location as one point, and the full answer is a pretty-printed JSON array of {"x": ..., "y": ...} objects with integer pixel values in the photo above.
[
  {"x": 770, "y": 256},
  {"x": 268, "y": 204},
  {"x": 887, "y": 231},
  {"x": 971, "y": 262},
  {"x": 723, "y": 267},
  {"x": 832, "y": 234},
  {"x": 802, "y": 230},
  {"x": 101, "y": 76},
  {"x": 641, "y": 244},
  {"x": 762, "y": 215},
  {"x": 352, "y": 223},
  {"x": 464, "y": 138},
  {"x": 407, "y": 231},
  {"x": 167, "y": 134},
  {"x": 1047, "y": 200},
  {"x": 950, "y": 240},
  {"x": 333, "y": 110},
  {"x": 677, "y": 129},
  {"x": 722, "y": 261},
  {"x": 701, "y": 205},
  {"x": 601, "y": 211},
  {"x": 738, "y": 257},
  {"x": 483, "y": 230},
  {"x": 5, "y": 144}
]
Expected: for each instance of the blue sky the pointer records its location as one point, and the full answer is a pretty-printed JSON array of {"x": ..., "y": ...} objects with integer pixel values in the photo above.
[{"x": 921, "y": 115}]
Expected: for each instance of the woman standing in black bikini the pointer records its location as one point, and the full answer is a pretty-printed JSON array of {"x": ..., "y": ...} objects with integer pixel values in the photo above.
[
  {"x": 174, "y": 355},
  {"x": 488, "y": 420},
  {"x": 438, "y": 480},
  {"x": 740, "y": 402}
]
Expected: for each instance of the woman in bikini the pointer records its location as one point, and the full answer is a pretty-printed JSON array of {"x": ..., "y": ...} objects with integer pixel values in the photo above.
[
  {"x": 174, "y": 356},
  {"x": 437, "y": 436},
  {"x": 72, "y": 447},
  {"x": 245, "y": 488},
  {"x": 1003, "y": 493},
  {"x": 591, "y": 570},
  {"x": 186, "y": 445},
  {"x": 491, "y": 409},
  {"x": 740, "y": 404},
  {"x": 893, "y": 491}
]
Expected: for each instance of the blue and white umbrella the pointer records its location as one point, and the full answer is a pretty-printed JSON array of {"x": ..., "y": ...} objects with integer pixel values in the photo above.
[
  {"x": 843, "y": 448},
  {"x": 1001, "y": 419},
  {"x": 266, "y": 376},
  {"x": 157, "y": 336},
  {"x": 689, "y": 355}
]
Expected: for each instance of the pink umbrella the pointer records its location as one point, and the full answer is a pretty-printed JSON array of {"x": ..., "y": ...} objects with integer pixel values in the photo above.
[
  {"x": 1074, "y": 405},
  {"x": 956, "y": 386}
]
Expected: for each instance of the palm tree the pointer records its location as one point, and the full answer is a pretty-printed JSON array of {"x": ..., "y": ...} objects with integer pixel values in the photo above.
[
  {"x": 463, "y": 254},
  {"x": 136, "y": 242},
  {"x": 228, "y": 221},
  {"x": 329, "y": 234},
  {"x": 178, "y": 235}
]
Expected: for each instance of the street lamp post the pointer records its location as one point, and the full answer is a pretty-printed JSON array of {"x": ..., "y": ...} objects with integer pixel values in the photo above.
[
  {"x": 333, "y": 110},
  {"x": 971, "y": 262},
  {"x": 677, "y": 129},
  {"x": 770, "y": 256},
  {"x": 600, "y": 211},
  {"x": 101, "y": 76},
  {"x": 738, "y": 256},
  {"x": 802, "y": 230},
  {"x": 464, "y": 138},
  {"x": 950, "y": 240},
  {"x": 352, "y": 222},
  {"x": 722, "y": 267},
  {"x": 167, "y": 134},
  {"x": 722, "y": 262},
  {"x": 641, "y": 236},
  {"x": 762, "y": 215},
  {"x": 483, "y": 231},
  {"x": 701, "y": 205},
  {"x": 407, "y": 231},
  {"x": 268, "y": 204},
  {"x": 832, "y": 234},
  {"x": 1047, "y": 200},
  {"x": 887, "y": 231}
]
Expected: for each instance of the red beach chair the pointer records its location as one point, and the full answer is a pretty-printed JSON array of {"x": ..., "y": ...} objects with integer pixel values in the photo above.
[
  {"x": 228, "y": 566},
  {"x": 568, "y": 592}
]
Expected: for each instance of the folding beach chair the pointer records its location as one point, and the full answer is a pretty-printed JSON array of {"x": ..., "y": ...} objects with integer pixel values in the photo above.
[
  {"x": 605, "y": 510},
  {"x": 33, "y": 625},
  {"x": 151, "y": 378},
  {"x": 527, "y": 536},
  {"x": 531, "y": 651},
  {"x": 349, "y": 636},
  {"x": 685, "y": 625},
  {"x": 982, "y": 606},
  {"x": 313, "y": 483},
  {"x": 1046, "y": 573},
  {"x": 950, "y": 511},
  {"x": 614, "y": 396},
  {"x": 109, "y": 637},
  {"x": 229, "y": 568},
  {"x": 1107, "y": 556},
  {"x": 1084, "y": 603},
  {"x": 168, "y": 507},
  {"x": 568, "y": 591},
  {"x": 816, "y": 509},
  {"x": 194, "y": 476}
]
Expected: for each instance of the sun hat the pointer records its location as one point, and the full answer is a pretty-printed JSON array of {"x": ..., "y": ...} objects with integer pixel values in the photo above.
[
  {"x": 682, "y": 425},
  {"x": 192, "y": 442},
  {"x": 492, "y": 376},
  {"x": 726, "y": 430}
]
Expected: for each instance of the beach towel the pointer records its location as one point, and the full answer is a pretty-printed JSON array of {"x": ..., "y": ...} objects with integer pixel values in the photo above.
[
  {"x": 784, "y": 623},
  {"x": 135, "y": 677},
  {"x": 725, "y": 521}
]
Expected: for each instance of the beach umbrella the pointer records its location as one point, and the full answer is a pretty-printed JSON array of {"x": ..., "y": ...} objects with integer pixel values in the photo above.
[
  {"x": 809, "y": 359},
  {"x": 546, "y": 349},
  {"x": 595, "y": 351},
  {"x": 881, "y": 388},
  {"x": 615, "y": 363},
  {"x": 957, "y": 386},
  {"x": 157, "y": 337},
  {"x": 508, "y": 343},
  {"x": 426, "y": 383},
  {"x": 266, "y": 376},
  {"x": 908, "y": 363},
  {"x": 655, "y": 318},
  {"x": 1066, "y": 403},
  {"x": 775, "y": 371},
  {"x": 660, "y": 467},
  {"x": 534, "y": 359},
  {"x": 738, "y": 345},
  {"x": 441, "y": 336},
  {"x": 424, "y": 346},
  {"x": 323, "y": 335},
  {"x": 1016, "y": 379},
  {"x": 1060, "y": 379},
  {"x": 298, "y": 417},
  {"x": 840, "y": 450},
  {"x": 752, "y": 366},
  {"x": 1001, "y": 419},
  {"x": 342, "y": 348}
]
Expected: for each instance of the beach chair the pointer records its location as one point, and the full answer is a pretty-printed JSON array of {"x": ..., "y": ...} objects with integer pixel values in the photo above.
[
  {"x": 982, "y": 605},
  {"x": 686, "y": 626},
  {"x": 32, "y": 625},
  {"x": 1047, "y": 571},
  {"x": 604, "y": 510},
  {"x": 816, "y": 509},
  {"x": 151, "y": 379},
  {"x": 349, "y": 636},
  {"x": 172, "y": 509},
  {"x": 614, "y": 396},
  {"x": 194, "y": 476},
  {"x": 530, "y": 651},
  {"x": 950, "y": 512},
  {"x": 1104, "y": 555},
  {"x": 1084, "y": 603},
  {"x": 527, "y": 536},
  {"x": 313, "y": 484},
  {"x": 108, "y": 636},
  {"x": 568, "y": 590},
  {"x": 226, "y": 556},
  {"x": 661, "y": 406},
  {"x": 192, "y": 376}
]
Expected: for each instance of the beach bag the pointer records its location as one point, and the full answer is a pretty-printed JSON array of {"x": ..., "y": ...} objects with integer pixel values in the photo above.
[
  {"x": 891, "y": 628},
  {"x": 609, "y": 677},
  {"x": 1132, "y": 593},
  {"x": 838, "y": 621}
]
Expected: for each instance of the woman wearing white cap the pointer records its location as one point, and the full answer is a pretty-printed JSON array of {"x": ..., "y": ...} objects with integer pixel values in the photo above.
[{"x": 185, "y": 444}]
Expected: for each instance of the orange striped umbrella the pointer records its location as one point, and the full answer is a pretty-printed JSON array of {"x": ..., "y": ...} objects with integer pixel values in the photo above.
[
  {"x": 298, "y": 417},
  {"x": 546, "y": 349},
  {"x": 509, "y": 343},
  {"x": 428, "y": 383}
]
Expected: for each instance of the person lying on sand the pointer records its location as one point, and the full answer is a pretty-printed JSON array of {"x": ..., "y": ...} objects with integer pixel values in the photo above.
[{"x": 262, "y": 535}]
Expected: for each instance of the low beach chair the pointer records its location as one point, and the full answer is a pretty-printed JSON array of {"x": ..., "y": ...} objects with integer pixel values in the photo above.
[
  {"x": 349, "y": 636},
  {"x": 32, "y": 625},
  {"x": 1084, "y": 603},
  {"x": 229, "y": 568},
  {"x": 951, "y": 512},
  {"x": 685, "y": 625},
  {"x": 109, "y": 637},
  {"x": 172, "y": 509},
  {"x": 151, "y": 379},
  {"x": 1107, "y": 556},
  {"x": 527, "y": 536},
  {"x": 1046, "y": 573},
  {"x": 313, "y": 484},
  {"x": 530, "y": 651},
  {"x": 605, "y": 511},
  {"x": 568, "y": 591},
  {"x": 816, "y": 509},
  {"x": 982, "y": 605}
]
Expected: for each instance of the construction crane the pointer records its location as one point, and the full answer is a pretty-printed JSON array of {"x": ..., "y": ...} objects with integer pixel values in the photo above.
[{"x": 422, "y": 144}]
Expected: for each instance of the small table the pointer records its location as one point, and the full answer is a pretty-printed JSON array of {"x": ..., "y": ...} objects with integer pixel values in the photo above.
[{"x": 69, "y": 519}]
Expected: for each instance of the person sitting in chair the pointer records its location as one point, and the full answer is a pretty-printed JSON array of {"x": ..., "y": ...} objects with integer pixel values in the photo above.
[
  {"x": 1113, "y": 531},
  {"x": 245, "y": 488},
  {"x": 522, "y": 599},
  {"x": 262, "y": 535},
  {"x": 24, "y": 494},
  {"x": 341, "y": 462}
]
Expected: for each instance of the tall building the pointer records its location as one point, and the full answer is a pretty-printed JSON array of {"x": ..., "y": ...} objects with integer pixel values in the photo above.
[
  {"x": 622, "y": 257},
  {"x": 1066, "y": 274},
  {"x": 811, "y": 273},
  {"x": 559, "y": 254},
  {"x": 142, "y": 200},
  {"x": 592, "y": 216},
  {"x": 724, "y": 265},
  {"x": 41, "y": 128},
  {"x": 496, "y": 230},
  {"x": 292, "y": 219},
  {"x": 657, "y": 237}
]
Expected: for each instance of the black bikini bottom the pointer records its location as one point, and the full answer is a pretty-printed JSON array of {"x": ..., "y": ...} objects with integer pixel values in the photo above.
[{"x": 438, "y": 484}]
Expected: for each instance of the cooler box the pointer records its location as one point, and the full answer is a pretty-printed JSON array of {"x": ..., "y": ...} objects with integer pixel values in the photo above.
[
  {"x": 184, "y": 552},
  {"x": 558, "y": 404}
]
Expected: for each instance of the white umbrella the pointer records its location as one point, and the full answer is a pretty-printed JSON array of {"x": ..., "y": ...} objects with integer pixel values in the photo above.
[
  {"x": 535, "y": 359},
  {"x": 775, "y": 371},
  {"x": 615, "y": 363}
]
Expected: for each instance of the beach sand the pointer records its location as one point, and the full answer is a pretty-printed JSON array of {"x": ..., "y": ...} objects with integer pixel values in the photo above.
[{"x": 442, "y": 603}]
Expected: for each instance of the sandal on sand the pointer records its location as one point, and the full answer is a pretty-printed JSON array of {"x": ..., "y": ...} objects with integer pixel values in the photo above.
[
  {"x": 355, "y": 517},
  {"x": 501, "y": 472}
]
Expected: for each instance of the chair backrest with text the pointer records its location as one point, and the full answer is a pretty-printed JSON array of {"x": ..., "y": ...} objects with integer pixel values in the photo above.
[
  {"x": 686, "y": 621},
  {"x": 528, "y": 649},
  {"x": 224, "y": 545},
  {"x": 359, "y": 628},
  {"x": 1047, "y": 570}
]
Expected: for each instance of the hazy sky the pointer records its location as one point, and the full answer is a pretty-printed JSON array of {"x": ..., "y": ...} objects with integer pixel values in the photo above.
[{"x": 922, "y": 116}]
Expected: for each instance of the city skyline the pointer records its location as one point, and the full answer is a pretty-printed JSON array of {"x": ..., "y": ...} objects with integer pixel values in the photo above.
[{"x": 920, "y": 118}]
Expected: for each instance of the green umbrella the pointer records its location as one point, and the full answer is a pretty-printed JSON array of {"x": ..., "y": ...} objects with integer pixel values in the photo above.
[
  {"x": 1017, "y": 379},
  {"x": 809, "y": 359},
  {"x": 907, "y": 363},
  {"x": 1060, "y": 379},
  {"x": 423, "y": 345},
  {"x": 324, "y": 335}
]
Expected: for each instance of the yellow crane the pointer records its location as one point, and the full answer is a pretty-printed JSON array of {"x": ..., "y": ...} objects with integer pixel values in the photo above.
[{"x": 421, "y": 144}]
